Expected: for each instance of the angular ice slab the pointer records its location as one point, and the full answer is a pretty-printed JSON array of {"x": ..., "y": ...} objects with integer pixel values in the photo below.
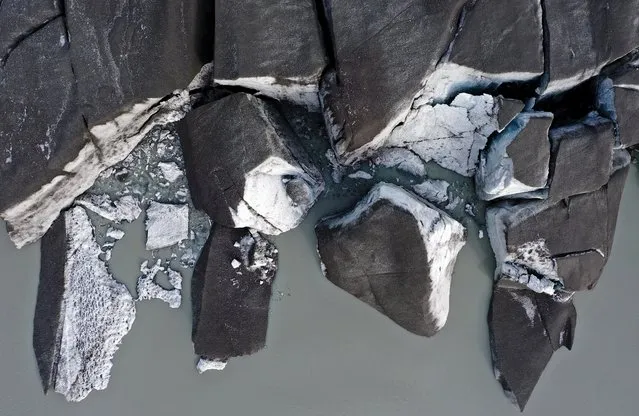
[
  {"x": 271, "y": 46},
  {"x": 451, "y": 135},
  {"x": 166, "y": 225},
  {"x": 126, "y": 208},
  {"x": 395, "y": 252},
  {"x": 517, "y": 160},
  {"x": 526, "y": 328},
  {"x": 586, "y": 35},
  {"x": 231, "y": 293},
  {"x": 82, "y": 312},
  {"x": 582, "y": 156},
  {"x": 245, "y": 166},
  {"x": 550, "y": 245}
]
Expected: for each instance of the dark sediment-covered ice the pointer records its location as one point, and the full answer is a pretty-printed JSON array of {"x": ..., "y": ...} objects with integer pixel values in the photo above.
[
  {"x": 231, "y": 294},
  {"x": 273, "y": 47},
  {"x": 395, "y": 252},
  {"x": 526, "y": 328}
]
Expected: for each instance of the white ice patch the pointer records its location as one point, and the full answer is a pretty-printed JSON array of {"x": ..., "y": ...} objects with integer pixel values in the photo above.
[
  {"x": 443, "y": 238},
  {"x": 115, "y": 234},
  {"x": 112, "y": 142},
  {"x": 266, "y": 205},
  {"x": 96, "y": 313},
  {"x": 9, "y": 153},
  {"x": 402, "y": 159},
  {"x": 170, "y": 171},
  {"x": 126, "y": 208},
  {"x": 204, "y": 365},
  {"x": 433, "y": 190},
  {"x": 529, "y": 307},
  {"x": 258, "y": 255},
  {"x": 148, "y": 288},
  {"x": 298, "y": 90},
  {"x": 451, "y": 135},
  {"x": 166, "y": 225},
  {"x": 360, "y": 174}
]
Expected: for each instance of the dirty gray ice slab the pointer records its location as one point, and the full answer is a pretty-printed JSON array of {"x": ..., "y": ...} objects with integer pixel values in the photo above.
[
  {"x": 246, "y": 167},
  {"x": 273, "y": 47},
  {"x": 517, "y": 160},
  {"x": 509, "y": 36},
  {"x": 116, "y": 51},
  {"x": 558, "y": 245},
  {"x": 526, "y": 328},
  {"x": 396, "y": 253},
  {"x": 584, "y": 36},
  {"x": 231, "y": 294},
  {"x": 383, "y": 54},
  {"x": 82, "y": 312},
  {"x": 582, "y": 155},
  {"x": 20, "y": 19},
  {"x": 42, "y": 128}
]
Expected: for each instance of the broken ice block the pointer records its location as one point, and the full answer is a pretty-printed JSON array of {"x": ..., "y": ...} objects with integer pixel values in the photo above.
[
  {"x": 231, "y": 304},
  {"x": 395, "y": 252},
  {"x": 82, "y": 312},
  {"x": 245, "y": 167},
  {"x": 558, "y": 245},
  {"x": 451, "y": 135},
  {"x": 273, "y": 47},
  {"x": 166, "y": 225},
  {"x": 582, "y": 156},
  {"x": 517, "y": 160},
  {"x": 526, "y": 328}
]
